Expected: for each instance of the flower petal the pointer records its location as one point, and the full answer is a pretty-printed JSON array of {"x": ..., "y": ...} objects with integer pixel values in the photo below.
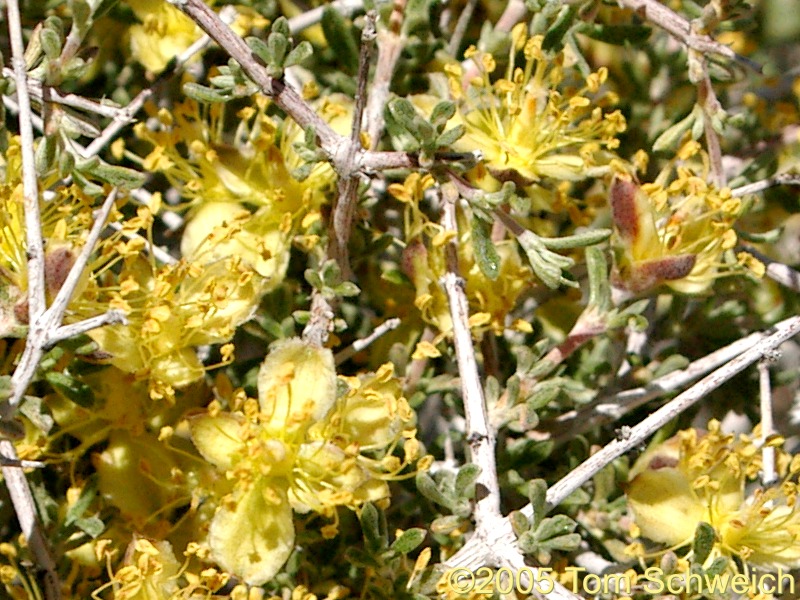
[
  {"x": 665, "y": 507},
  {"x": 217, "y": 438},
  {"x": 296, "y": 387},
  {"x": 253, "y": 539}
]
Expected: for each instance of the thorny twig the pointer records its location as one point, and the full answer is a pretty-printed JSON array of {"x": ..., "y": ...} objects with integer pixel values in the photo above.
[
  {"x": 778, "y": 272},
  {"x": 30, "y": 186},
  {"x": 461, "y": 27},
  {"x": 25, "y": 509},
  {"x": 639, "y": 433},
  {"x": 335, "y": 147},
  {"x": 106, "y": 108},
  {"x": 489, "y": 543},
  {"x": 612, "y": 408},
  {"x": 476, "y": 551},
  {"x": 480, "y": 436},
  {"x": 341, "y": 221},
  {"x": 390, "y": 44},
  {"x": 16, "y": 482},
  {"x": 172, "y": 220},
  {"x": 708, "y": 101},
  {"x": 359, "y": 345},
  {"x": 765, "y": 184},
  {"x": 485, "y": 546},
  {"x": 44, "y": 329},
  {"x": 43, "y": 332},
  {"x": 673, "y": 23},
  {"x": 125, "y": 116},
  {"x": 768, "y": 472}
]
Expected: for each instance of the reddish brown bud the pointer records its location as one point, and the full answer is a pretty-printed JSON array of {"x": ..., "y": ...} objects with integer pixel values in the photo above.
[
  {"x": 57, "y": 265},
  {"x": 412, "y": 253},
  {"x": 653, "y": 272},
  {"x": 21, "y": 311},
  {"x": 623, "y": 207}
]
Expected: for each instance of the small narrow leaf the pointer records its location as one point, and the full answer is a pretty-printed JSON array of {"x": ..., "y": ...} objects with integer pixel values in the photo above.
[
  {"x": 118, "y": 176},
  {"x": 673, "y": 134},
  {"x": 76, "y": 510},
  {"x": 92, "y": 526},
  {"x": 298, "y": 54},
  {"x": 443, "y": 112},
  {"x": 579, "y": 240},
  {"x": 718, "y": 566},
  {"x": 537, "y": 496},
  {"x": 340, "y": 36},
  {"x": 201, "y": 93},
  {"x": 485, "y": 253},
  {"x": 260, "y": 49},
  {"x": 552, "y": 527},
  {"x": 563, "y": 542},
  {"x": 465, "y": 480},
  {"x": 72, "y": 389},
  {"x": 704, "y": 538},
  {"x": 51, "y": 43},
  {"x": 428, "y": 488},
  {"x": 554, "y": 39},
  {"x": 449, "y": 137},
  {"x": 279, "y": 46},
  {"x": 408, "y": 540},
  {"x": 370, "y": 525}
]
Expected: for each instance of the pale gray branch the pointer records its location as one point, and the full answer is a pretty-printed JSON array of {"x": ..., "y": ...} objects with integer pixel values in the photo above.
[
  {"x": 461, "y": 27},
  {"x": 673, "y": 23},
  {"x": 104, "y": 109},
  {"x": 390, "y": 44},
  {"x": 30, "y": 185},
  {"x": 64, "y": 295},
  {"x": 612, "y": 408},
  {"x": 764, "y": 184},
  {"x": 25, "y": 509},
  {"x": 768, "y": 472},
  {"x": 639, "y": 433},
  {"x": 284, "y": 96},
  {"x": 112, "y": 317},
  {"x": 359, "y": 345},
  {"x": 341, "y": 222},
  {"x": 480, "y": 435}
]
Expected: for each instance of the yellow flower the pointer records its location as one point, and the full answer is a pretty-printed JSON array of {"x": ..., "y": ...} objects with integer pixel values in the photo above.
[
  {"x": 170, "y": 310},
  {"x": 164, "y": 33},
  {"x": 298, "y": 448},
  {"x": 252, "y": 164},
  {"x": 296, "y": 388},
  {"x": 243, "y": 181},
  {"x": 149, "y": 572},
  {"x": 65, "y": 219},
  {"x": 677, "y": 233},
  {"x": 528, "y": 124},
  {"x": 424, "y": 264},
  {"x": 262, "y": 239},
  {"x": 694, "y": 478}
]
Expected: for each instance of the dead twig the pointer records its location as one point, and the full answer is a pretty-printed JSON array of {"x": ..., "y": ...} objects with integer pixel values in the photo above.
[
  {"x": 674, "y": 24},
  {"x": 390, "y": 44}
]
